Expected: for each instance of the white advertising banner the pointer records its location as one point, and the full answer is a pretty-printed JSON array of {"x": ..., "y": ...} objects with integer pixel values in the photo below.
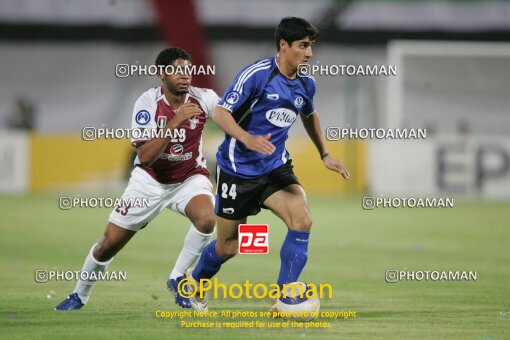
[
  {"x": 14, "y": 162},
  {"x": 466, "y": 166}
]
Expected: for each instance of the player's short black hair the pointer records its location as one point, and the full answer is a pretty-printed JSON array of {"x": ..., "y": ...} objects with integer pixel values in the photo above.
[
  {"x": 169, "y": 55},
  {"x": 291, "y": 29}
]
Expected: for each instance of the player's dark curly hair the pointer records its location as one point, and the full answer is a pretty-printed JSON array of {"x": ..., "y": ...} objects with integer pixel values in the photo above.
[
  {"x": 169, "y": 55},
  {"x": 291, "y": 29}
]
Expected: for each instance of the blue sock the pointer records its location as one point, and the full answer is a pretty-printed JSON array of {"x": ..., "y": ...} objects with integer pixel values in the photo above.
[
  {"x": 293, "y": 255},
  {"x": 209, "y": 264}
]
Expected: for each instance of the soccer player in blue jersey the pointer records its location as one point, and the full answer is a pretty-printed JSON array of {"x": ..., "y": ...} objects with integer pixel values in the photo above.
[{"x": 254, "y": 168}]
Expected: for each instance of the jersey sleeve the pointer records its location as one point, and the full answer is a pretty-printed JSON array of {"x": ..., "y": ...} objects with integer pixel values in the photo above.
[
  {"x": 211, "y": 100},
  {"x": 144, "y": 117},
  {"x": 245, "y": 85},
  {"x": 309, "y": 108}
]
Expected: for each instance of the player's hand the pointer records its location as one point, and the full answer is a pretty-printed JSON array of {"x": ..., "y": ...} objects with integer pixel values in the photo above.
[
  {"x": 260, "y": 144},
  {"x": 185, "y": 112},
  {"x": 334, "y": 164}
]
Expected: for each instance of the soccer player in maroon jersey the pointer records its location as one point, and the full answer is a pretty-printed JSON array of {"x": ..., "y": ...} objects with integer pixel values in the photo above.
[{"x": 170, "y": 171}]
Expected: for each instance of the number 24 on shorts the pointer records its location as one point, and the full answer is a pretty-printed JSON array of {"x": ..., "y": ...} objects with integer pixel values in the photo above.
[{"x": 225, "y": 192}]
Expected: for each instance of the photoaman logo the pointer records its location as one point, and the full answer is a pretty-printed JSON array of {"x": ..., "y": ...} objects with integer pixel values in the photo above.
[{"x": 188, "y": 287}]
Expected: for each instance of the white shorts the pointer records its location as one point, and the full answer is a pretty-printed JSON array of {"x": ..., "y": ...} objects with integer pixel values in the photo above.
[{"x": 142, "y": 188}]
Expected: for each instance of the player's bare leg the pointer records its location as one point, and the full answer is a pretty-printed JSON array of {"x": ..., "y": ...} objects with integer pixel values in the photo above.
[
  {"x": 98, "y": 259},
  {"x": 219, "y": 250},
  {"x": 227, "y": 242},
  {"x": 200, "y": 211},
  {"x": 114, "y": 239},
  {"x": 290, "y": 204}
]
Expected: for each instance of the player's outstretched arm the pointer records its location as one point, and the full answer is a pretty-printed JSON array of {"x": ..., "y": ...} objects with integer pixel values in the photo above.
[
  {"x": 313, "y": 128},
  {"x": 226, "y": 122},
  {"x": 149, "y": 151}
]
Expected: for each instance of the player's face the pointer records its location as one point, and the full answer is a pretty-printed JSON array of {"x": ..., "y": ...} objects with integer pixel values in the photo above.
[
  {"x": 179, "y": 81},
  {"x": 300, "y": 52}
]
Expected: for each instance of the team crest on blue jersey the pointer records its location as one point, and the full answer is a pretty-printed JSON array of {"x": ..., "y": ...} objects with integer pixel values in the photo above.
[
  {"x": 298, "y": 102},
  {"x": 162, "y": 122},
  {"x": 232, "y": 98},
  {"x": 143, "y": 117}
]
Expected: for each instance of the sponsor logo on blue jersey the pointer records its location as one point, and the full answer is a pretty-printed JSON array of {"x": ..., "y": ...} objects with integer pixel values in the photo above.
[{"x": 281, "y": 117}]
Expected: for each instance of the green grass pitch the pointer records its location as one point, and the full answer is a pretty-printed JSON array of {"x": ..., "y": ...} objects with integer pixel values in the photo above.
[{"x": 350, "y": 249}]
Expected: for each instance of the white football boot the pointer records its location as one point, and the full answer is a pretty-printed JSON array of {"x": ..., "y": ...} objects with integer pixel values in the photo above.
[{"x": 198, "y": 303}]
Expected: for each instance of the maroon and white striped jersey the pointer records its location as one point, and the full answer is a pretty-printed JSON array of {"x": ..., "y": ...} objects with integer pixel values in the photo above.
[{"x": 183, "y": 157}]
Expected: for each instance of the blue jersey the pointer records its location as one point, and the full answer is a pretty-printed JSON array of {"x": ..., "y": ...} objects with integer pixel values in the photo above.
[{"x": 263, "y": 101}]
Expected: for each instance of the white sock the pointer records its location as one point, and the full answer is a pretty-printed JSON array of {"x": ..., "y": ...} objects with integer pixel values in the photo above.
[
  {"x": 194, "y": 243},
  {"x": 84, "y": 288}
]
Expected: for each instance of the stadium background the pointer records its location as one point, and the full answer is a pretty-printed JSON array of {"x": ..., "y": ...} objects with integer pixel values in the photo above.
[{"x": 453, "y": 63}]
